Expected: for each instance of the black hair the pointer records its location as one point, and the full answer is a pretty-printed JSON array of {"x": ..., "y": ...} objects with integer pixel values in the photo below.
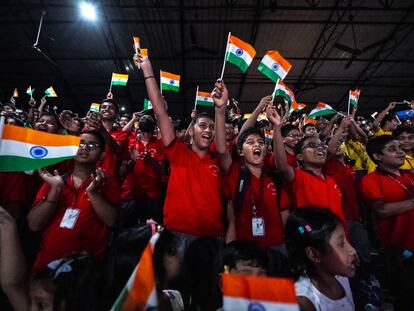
[
  {"x": 287, "y": 128},
  {"x": 54, "y": 116},
  {"x": 179, "y": 125},
  {"x": 107, "y": 100},
  {"x": 202, "y": 115},
  {"x": 377, "y": 144},
  {"x": 74, "y": 281},
  {"x": 299, "y": 146},
  {"x": 388, "y": 117},
  {"x": 308, "y": 125},
  {"x": 308, "y": 227},
  {"x": 402, "y": 129},
  {"x": 243, "y": 136},
  {"x": 126, "y": 115},
  {"x": 244, "y": 251},
  {"x": 98, "y": 135},
  {"x": 121, "y": 260}
]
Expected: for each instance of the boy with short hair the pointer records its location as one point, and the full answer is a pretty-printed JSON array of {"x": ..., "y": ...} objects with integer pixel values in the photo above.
[
  {"x": 309, "y": 130},
  {"x": 405, "y": 135},
  {"x": 385, "y": 122},
  {"x": 74, "y": 211},
  {"x": 291, "y": 135}
]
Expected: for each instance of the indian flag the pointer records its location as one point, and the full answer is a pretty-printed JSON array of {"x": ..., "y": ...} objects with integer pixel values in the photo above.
[
  {"x": 243, "y": 293},
  {"x": 321, "y": 109},
  {"x": 144, "y": 53},
  {"x": 239, "y": 53},
  {"x": 282, "y": 90},
  {"x": 50, "y": 92},
  {"x": 30, "y": 91},
  {"x": 95, "y": 107},
  {"x": 260, "y": 117},
  {"x": 296, "y": 107},
  {"x": 15, "y": 93},
  {"x": 204, "y": 99},
  {"x": 169, "y": 81},
  {"x": 137, "y": 46},
  {"x": 354, "y": 97},
  {"x": 23, "y": 149},
  {"x": 268, "y": 134},
  {"x": 274, "y": 66},
  {"x": 119, "y": 79},
  {"x": 147, "y": 105},
  {"x": 139, "y": 292}
]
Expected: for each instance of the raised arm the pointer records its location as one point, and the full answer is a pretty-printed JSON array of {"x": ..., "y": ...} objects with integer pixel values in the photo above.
[
  {"x": 334, "y": 142},
  {"x": 380, "y": 117},
  {"x": 357, "y": 132},
  {"x": 30, "y": 114},
  {"x": 13, "y": 270},
  {"x": 329, "y": 126},
  {"x": 278, "y": 147},
  {"x": 250, "y": 122},
  {"x": 220, "y": 98},
  {"x": 158, "y": 104},
  {"x": 130, "y": 124}
]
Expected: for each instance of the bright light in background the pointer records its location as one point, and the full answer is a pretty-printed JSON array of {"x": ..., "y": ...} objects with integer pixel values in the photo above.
[
  {"x": 88, "y": 11},
  {"x": 122, "y": 108}
]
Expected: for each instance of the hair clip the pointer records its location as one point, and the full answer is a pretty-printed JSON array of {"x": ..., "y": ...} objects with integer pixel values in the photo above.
[
  {"x": 61, "y": 266},
  {"x": 308, "y": 228},
  {"x": 303, "y": 228}
]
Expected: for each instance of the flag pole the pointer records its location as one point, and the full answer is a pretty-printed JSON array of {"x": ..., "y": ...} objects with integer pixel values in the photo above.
[
  {"x": 274, "y": 90},
  {"x": 110, "y": 85},
  {"x": 161, "y": 81},
  {"x": 349, "y": 101},
  {"x": 225, "y": 54},
  {"x": 2, "y": 121},
  {"x": 136, "y": 50},
  {"x": 195, "y": 101}
]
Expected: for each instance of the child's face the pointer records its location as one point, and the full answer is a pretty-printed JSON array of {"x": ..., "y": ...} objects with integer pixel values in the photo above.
[
  {"x": 341, "y": 258},
  {"x": 40, "y": 298},
  {"x": 203, "y": 133},
  {"x": 47, "y": 124},
  {"x": 406, "y": 141},
  {"x": 310, "y": 131},
  {"x": 108, "y": 110},
  {"x": 245, "y": 267},
  {"x": 392, "y": 155},
  {"x": 313, "y": 152},
  {"x": 229, "y": 131},
  {"x": 254, "y": 150},
  {"x": 91, "y": 151},
  {"x": 292, "y": 138}
]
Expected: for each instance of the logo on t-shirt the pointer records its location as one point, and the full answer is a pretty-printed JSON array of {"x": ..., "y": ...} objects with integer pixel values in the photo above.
[
  {"x": 271, "y": 186},
  {"x": 214, "y": 170}
]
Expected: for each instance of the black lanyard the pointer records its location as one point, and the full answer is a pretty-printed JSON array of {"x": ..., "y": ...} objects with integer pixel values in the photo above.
[{"x": 261, "y": 195}]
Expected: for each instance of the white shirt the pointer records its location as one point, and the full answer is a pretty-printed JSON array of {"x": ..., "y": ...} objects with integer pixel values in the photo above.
[{"x": 305, "y": 288}]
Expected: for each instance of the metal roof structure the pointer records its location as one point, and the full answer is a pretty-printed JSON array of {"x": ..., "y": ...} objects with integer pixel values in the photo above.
[{"x": 333, "y": 45}]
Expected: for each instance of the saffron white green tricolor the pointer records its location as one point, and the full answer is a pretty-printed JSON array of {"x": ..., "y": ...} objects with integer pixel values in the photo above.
[
  {"x": 50, "y": 92},
  {"x": 140, "y": 292},
  {"x": 147, "y": 105},
  {"x": 204, "y": 99},
  {"x": 274, "y": 66},
  {"x": 137, "y": 45},
  {"x": 169, "y": 81},
  {"x": 23, "y": 149},
  {"x": 321, "y": 109},
  {"x": 94, "y": 107},
  {"x": 119, "y": 79},
  {"x": 239, "y": 53},
  {"x": 354, "y": 97},
  {"x": 245, "y": 293},
  {"x": 296, "y": 107},
  {"x": 30, "y": 91},
  {"x": 282, "y": 90}
]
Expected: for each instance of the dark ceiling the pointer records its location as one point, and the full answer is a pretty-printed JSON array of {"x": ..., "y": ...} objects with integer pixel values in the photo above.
[{"x": 333, "y": 46}]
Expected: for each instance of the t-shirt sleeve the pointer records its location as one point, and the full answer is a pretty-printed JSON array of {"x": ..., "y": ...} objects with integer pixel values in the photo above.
[
  {"x": 175, "y": 150},
  {"x": 42, "y": 194},
  {"x": 371, "y": 188},
  {"x": 230, "y": 182}
]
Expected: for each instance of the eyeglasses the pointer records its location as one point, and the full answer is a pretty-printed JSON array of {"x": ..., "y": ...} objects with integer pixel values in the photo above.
[
  {"x": 89, "y": 146},
  {"x": 295, "y": 135},
  {"x": 315, "y": 146}
]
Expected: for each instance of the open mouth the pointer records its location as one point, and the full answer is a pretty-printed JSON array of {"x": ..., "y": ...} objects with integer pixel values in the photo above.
[
  {"x": 321, "y": 154},
  {"x": 257, "y": 152},
  {"x": 206, "y": 137}
]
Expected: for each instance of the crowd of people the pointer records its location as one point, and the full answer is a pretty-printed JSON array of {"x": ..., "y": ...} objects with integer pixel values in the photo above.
[{"x": 328, "y": 203}]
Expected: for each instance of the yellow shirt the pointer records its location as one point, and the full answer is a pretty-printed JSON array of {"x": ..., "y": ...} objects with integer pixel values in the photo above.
[
  {"x": 408, "y": 163},
  {"x": 356, "y": 150},
  {"x": 382, "y": 132}
]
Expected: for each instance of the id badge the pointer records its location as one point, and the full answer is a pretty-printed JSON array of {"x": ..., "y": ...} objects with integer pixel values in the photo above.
[
  {"x": 70, "y": 218},
  {"x": 258, "y": 226}
]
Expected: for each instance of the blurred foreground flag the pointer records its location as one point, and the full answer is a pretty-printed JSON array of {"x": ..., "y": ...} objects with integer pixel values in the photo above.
[
  {"x": 274, "y": 66},
  {"x": 23, "y": 149},
  {"x": 239, "y": 53},
  {"x": 119, "y": 79},
  {"x": 50, "y": 92},
  {"x": 246, "y": 293}
]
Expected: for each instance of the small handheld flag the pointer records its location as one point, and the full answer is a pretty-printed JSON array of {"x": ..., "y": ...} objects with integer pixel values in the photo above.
[
  {"x": 296, "y": 107},
  {"x": 30, "y": 91},
  {"x": 50, "y": 92},
  {"x": 118, "y": 79},
  {"x": 15, "y": 93},
  {"x": 136, "y": 45},
  {"x": 204, "y": 99},
  {"x": 147, "y": 105},
  {"x": 95, "y": 107},
  {"x": 23, "y": 149},
  {"x": 144, "y": 53},
  {"x": 322, "y": 109},
  {"x": 353, "y": 98},
  {"x": 169, "y": 81},
  {"x": 274, "y": 66},
  {"x": 238, "y": 53},
  {"x": 281, "y": 89},
  {"x": 244, "y": 293}
]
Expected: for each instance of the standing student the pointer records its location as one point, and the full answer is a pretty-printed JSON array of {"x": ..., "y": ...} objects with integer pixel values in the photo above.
[
  {"x": 193, "y": 202},
  {"x": 405, "y": 135},
  {"x": 385, "y": 123},
  {"x": 291, "y": 136},
  {"x": 308, "y": 184},
  {"x": 74, "y": 212},
  {"x": 323, "y": 258}
]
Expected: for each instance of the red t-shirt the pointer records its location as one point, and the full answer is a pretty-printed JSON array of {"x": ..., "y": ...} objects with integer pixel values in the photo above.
[
  {"x": 193, "y": 202},
  {"x": 396, "y": 230},
  {"x": 345, "y": 178},
  {"x": 291, "y": 158},
  {"x": 112, "y": 161},
  {"x": 266, "y": 208},
  {"x": 144, "y": 182},
  {"x": 89, "y": 233},
  {"x": 310, "y": 190}
]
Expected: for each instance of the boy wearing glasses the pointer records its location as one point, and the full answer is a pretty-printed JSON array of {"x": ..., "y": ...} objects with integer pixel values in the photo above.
[
  {"x": 308, "y": 184},
  {"x": 291, "y": 136},
  {"x": 74, "y": 211}
]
